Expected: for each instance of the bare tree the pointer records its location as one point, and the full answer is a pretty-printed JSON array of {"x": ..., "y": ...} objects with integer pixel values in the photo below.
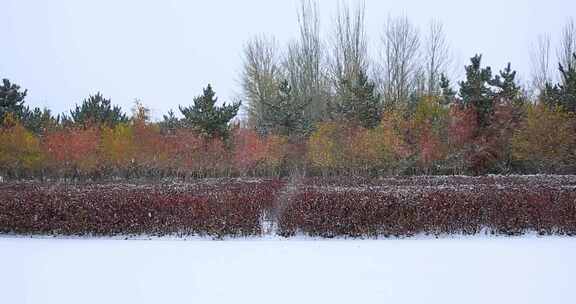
[
  {"x": 567, "y": 45},
  {"x": 540, "y": 63},
  {"x": 304, "y": 63},
  {"x": 349, "y": 45},
  {"x": 260, "y": 76},
  {"x": 400, "y": 60},
  {"x": 436, "y": 56}
]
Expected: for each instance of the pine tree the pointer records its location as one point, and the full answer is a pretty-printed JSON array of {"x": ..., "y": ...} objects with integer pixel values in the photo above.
[
  {"x": 38, "y": 120},
  {"x": 11, "y": 99},
  {"x": 208, "y": 118},
  {"x": 475, "y": 92},
  {"x": 505, "y": 82},
  {"x": 448, "y": 94},
  {"x": 284, "y": 115},
  {"x": 96, "y": 110},
  {"x": 169, "y": 123},
  {"x": 359, "y": 103},
  {"x": 564, "y": 93}
]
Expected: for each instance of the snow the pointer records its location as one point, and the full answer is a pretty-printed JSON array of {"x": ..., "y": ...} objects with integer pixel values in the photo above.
[{"x": 481, "y": 269}]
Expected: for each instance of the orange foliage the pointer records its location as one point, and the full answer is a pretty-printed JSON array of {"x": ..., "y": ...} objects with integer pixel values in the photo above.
[
  {"x": 181, "y": 148},
  {"x": 149, "y": 150},
  {"x": 276, "y": 151},
  {"x": 214, "y": 157},
  {"x": 431, "y": 147},
  {"x": 186, "y": 150},
  {"x": 463, "y": 125},
  {"x": 249, "y": 149},
  {"x": 73, "y": 149}
]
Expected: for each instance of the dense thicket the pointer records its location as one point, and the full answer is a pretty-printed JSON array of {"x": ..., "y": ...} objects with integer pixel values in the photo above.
[
  {"x": 320, "y": 206},
  {"x": 434, "y": 206},
  {"x": 323, "y": 106},
  {"x": 215, "y": 208}
]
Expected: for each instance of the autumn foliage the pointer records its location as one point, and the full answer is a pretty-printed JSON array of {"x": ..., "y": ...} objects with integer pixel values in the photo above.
[
  {"x": 72, "y": 151},
  {"x": 546, "y": 141},
  {"x": 432, "y": 206},
  {"x": 320, "y": 206},
  {"x": 430, "y": 138},
  {"x": 20, "y": 150},
  {"x": 340, "y": 148},
  {"x": 216, "y": 209}
]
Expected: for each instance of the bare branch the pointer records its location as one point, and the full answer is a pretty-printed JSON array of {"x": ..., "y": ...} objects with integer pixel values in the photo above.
[
  {"x": 305, "y": 63},
  {"x": 567, "y": 45},
  {"x": 540, "y": 62},
  {"x": 400, "y": 64},
  {"x": 260, "y": 75},
  {"x": 437, "y": 57},
  {"x": 349, "y": 44}
]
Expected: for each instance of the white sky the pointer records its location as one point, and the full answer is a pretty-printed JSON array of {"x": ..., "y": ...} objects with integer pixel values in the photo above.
[{"x": 164, "y": 52}]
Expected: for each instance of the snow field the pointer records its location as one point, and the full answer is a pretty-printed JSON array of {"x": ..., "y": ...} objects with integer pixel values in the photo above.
[{"x": 479, "y": 269}]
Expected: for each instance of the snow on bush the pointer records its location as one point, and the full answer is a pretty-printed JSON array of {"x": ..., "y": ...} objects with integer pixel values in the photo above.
[
  {"x": 432, "y": 205},
  {"x": 221, "y": 208},
  {"x": 327, "y": 207}
]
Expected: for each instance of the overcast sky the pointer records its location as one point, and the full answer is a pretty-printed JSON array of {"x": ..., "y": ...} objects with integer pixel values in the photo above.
[{"x": 163, "y": 52}]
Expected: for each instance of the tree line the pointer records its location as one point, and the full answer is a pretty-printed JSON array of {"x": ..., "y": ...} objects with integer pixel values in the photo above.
[{"x": 325, "y": 106}]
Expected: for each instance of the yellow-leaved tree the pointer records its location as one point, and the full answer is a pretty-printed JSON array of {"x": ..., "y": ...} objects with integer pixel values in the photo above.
[
  {"x": 546, "y": 140},
  {"x": 275, "y": 156},
  {"x": 20, "y": 150},
  {"x": 325, "y": 147},
  {"x": 383, "y": 147},
  {"x": 117, "y": 146}
]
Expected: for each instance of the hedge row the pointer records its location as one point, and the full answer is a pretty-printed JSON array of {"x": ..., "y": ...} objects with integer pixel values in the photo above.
[
  {"x": 321, "y": 207},
  {"x": 329, "y": 211},
  {"x": 450, "y": 181},
  {"x": 214, "y": 208}
]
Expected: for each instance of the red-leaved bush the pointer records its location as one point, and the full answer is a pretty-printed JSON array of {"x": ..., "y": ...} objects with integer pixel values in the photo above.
[
  {"x": 327, "y": 207},
  {"x": 214, "y": 207},
  {"x": 432, "y": 205}
]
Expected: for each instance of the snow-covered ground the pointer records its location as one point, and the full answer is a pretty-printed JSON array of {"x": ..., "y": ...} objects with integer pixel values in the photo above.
[{"x": 526, "y": 269}]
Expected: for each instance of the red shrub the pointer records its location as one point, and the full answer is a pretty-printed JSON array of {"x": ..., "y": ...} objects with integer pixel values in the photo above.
[
  {"x": 328, "y": 207},
  {"x": 73, "y": 149},
  {"x": 215, "y": 209},
  {"x": 249, "y": 150},
  {"x": 433, "y": 205}
]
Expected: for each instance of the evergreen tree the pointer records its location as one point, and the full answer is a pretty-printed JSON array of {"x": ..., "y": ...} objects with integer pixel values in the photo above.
[
  {"x": 96, "y": 110},
  {"x": 169, "y": 123},
  {"x": 208, "y": 118},
  {"x": 284, "y": 115},
  {"x": 39, "y": 120},
  {"x": 475, "y": 92},
  {"x": 448, "y": 94},
  {"x": 506, "y": 84},
  {"x": 11, "y": 99},
  {"x": 359, "y": 103},
  {"x": 564, "y": 93}
]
